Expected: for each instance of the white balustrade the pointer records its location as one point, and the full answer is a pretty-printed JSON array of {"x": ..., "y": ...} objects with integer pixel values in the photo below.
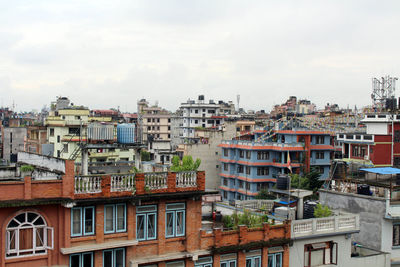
[
  {"x": 155, "y": 180},
  {"x": 186, "y": 179},
  {"x": 334, "y": 224},
  {"x": 87, "y": 184},
  {"x": 123, "y": 182}
]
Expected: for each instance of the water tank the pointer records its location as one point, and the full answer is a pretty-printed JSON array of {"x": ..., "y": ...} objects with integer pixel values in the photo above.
[
  {"x": 282, "y": 183},
  {"x": 308, "y": 211},
  {"x": 101, "y": 132},
  {"x": 126, "y": 133}
]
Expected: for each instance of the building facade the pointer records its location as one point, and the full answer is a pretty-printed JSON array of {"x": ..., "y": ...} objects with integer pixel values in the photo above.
[
  {"x": 249, "y": 166},
  {"x": 151, "y": 219}
]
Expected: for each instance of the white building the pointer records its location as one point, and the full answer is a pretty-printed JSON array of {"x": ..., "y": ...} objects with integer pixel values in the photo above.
[{"x": 201, "y": 114}]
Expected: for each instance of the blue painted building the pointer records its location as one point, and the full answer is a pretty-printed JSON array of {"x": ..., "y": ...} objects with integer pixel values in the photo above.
[{"x": 247, "y": 166}]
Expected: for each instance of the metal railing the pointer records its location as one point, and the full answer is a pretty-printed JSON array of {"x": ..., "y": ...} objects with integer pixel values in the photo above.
[{"x": 186, "y": 179}]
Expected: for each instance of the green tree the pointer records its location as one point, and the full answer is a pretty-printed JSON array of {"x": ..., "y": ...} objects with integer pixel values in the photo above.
[
  {"x": 264, "y": 194},
  {"x": 144, "y": 155},
  {"x": 313, "y": 179},
  {"x": 321, "y": 211},
  {"x": 187, "y": 164}
]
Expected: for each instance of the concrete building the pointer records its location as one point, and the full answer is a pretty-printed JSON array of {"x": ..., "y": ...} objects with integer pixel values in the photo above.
[
  {"x": 156, "y": 122},
  {"x": 378, "y": 146},
  {"x": 250, "y": 165},
  {"x": 35, "y": 138},
  {"x": 13, "y": 142},
  {"x": 376, "y": 201},
  {"x": 151, "y": 219},
  {"x": 200, "y": 114},
  {"x": 208, "y": 152}
]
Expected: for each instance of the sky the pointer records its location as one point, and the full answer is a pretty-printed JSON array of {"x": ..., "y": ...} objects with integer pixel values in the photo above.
[{"x": 109, "y": 54}]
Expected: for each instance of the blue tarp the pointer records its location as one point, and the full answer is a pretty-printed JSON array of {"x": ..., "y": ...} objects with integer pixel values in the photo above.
[{"x": 386, "y": 170}]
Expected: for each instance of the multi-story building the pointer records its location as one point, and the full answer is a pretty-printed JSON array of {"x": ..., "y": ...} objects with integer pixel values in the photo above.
[
  {"x": 35, "y": 138},
  {"x": 250, "y": 165},
  {"x": 201, "y": 114},
  {"x": 378, "y": 145},
  {"x": 147, "y": 219},
  {"x": 156, "y": 122},
  {"x": 13, "y": 142}
]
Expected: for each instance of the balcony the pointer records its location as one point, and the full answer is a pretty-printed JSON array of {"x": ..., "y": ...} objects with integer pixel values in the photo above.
[
  {"x": 271, "y": 145},
  {"x": 327, "y": 225}
]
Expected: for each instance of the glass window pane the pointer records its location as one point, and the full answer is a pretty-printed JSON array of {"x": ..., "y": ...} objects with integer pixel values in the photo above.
[
  {"x": 76, "y": 221},
  {"x": 170, "y": 223},
  {"x": 87, "y": 260},
  {"x": 140, "y": 226},
  {"x": 223, "y": 264},
  {"x": 278, "y": 260},
  {"x": 151, "y": 226},
  {"x": 120, "y": 217},
  {"x": 39, "y": 237},
  {"x": 109, "y": 218},
  {"x": 257, "y": 262},
  {"x": 89, "y": 220},
  {"x": 119, "y": 258},
  {"x": 180, "y": 223},
  {"x": 248, "y": 263},
  {"x": 232, "y": 264},
  {"x": 107, "y": 259},
  {"x": 75, "y": 260}
]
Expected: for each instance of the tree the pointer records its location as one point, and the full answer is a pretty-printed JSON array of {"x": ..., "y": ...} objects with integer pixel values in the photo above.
[
  {"x": 187, "y": 164},
  {"x": 144, "y": 155},
  {"x": 313, "y": 179},
  {"x": 321, "y": 211},
  {"x": 264, "y": 194}
]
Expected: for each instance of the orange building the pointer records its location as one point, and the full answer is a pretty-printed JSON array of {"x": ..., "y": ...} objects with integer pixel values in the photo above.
[{"x": 147, "y": 219}]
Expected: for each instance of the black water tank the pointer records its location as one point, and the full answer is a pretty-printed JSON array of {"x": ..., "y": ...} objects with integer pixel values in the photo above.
[
  {"x": 282, "y": 183},
  {"x": 398, "y": 179},
  {"x": 363, "y": 189},
  {"x": 308, "y": 211}
]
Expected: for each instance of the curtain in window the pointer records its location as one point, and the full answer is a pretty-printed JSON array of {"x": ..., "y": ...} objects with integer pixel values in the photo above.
[
  {"x": 76, "y": 221},
  {"x": 109, "y": 210},
  {"x": 120, "y": 217}
]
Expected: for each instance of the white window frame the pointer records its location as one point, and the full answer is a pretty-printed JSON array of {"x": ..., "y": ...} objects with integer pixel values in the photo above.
[
  {"x": 13, "y": 232},
  {"x": 204, "y": 262}
]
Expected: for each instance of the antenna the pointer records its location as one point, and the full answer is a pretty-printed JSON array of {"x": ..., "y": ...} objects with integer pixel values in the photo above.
[
  {"x": 383, "y": 89},
  {"x": 238, "y": 101}
]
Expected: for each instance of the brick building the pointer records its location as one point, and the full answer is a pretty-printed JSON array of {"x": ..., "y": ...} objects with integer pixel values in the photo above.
[{"x": 147, "y": 219}]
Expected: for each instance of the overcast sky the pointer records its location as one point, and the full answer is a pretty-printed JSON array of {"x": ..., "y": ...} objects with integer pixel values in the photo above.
[{"x": 105, "y": 54}]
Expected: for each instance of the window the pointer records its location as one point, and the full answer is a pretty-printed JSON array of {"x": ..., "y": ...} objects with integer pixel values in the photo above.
[
  {"x": 81, "y": 260},
  {"x": 262, "y": 155},
  {"x": 225, "y": 152},
  {"x": 114, "y": 257},
  {"x": 225, "y": 166},
  {"x": 248, "y": 154},
  {"x": 262, "y": 171},
  {"x": 240, "y": 169},
  {"x": 225, "y": 195},
  {"x": 28, "y": 234},
  {"x": 203, "y": 262},
  {"x": 146, "y": 222},
  {"x": 319, "y": 139},
  {"x": 320, "y": 253},
  {"x": 175, "y": 264},
  {"x": 82, "y": 221},
  {"x": 396, "y": 235},
  {"x": 196, "y": 111},
  {"x": 240, "y": 184},
  {"x": 65, "y": 148},
  {"x": 275, "y": 260},
  {"x": 319, "y": 155},
  {"x": 175, "y": 220},
  {"x": 228, "y": 260},
  {"x": 241, "y": 153},
  {"x": 248, "y": 170},
  {"x": 254, "y": 261},
  {"x": 73, "y": 131},
  {"x": 248, "y": 186},
  {"x": 114, "y": 218},
  {"x": 51, "y": 131},
  {"x": 58, "y": 139}
]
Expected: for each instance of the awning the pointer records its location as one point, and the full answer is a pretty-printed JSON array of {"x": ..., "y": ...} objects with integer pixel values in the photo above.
[{"x": 387, "y": 170}]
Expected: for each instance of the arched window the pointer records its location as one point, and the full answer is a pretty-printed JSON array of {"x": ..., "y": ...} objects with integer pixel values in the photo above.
[{"x": 28, "y": 234}]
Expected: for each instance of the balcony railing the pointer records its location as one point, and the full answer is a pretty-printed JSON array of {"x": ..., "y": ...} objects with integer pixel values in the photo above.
[
  {"x": 186, "y": 179},
  {"x": 87, "y": 184},
  {"x": 123, "y": 183},
  {"x": 334, "y": 224},
  {"x": 155, "y": 180}
]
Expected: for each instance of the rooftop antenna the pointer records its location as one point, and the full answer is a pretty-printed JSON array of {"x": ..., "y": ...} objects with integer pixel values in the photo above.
[{"x": 383, "y": 89}]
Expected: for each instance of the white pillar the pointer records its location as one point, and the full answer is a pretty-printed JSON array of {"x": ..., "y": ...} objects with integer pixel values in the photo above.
[
  {"x": 300, "y": 207},
  {"x": 84, "y": 161}
]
